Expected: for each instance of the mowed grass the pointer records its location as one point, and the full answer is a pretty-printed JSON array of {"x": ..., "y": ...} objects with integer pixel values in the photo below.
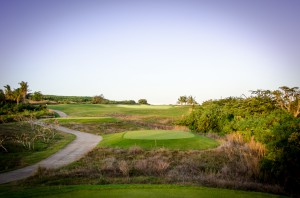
[
  {"x": 132, "y": 191},
  {"x": 157, "y": 135},
  {"x": 102, "y": 110},
  {"x": 164, "y": 140}
]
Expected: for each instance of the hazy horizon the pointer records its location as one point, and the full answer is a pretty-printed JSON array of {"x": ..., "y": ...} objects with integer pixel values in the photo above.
[{"x": 157, "y": 50}]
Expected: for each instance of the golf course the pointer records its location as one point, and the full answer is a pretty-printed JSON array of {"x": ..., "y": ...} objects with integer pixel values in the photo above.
[
  {"x": 141, "y": 145},
  {"x": 150, "y": 98}
]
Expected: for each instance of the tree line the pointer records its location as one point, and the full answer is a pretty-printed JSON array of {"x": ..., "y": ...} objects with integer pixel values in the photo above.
[
  {"x": 100, "y": 99},
  {"x": 22, "y": 95},
  {"x": 15, "y": 95}
]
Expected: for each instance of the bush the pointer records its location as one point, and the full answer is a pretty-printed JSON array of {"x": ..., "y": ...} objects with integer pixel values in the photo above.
[{"x": 282, "y": 163}]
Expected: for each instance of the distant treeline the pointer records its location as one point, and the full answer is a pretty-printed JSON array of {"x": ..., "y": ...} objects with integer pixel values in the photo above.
[
  {"x": 84, "y": 99},
  {"x": 68, "y": 99}
]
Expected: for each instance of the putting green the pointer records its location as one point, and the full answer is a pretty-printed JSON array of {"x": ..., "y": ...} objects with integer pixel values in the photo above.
[
  {"x": 157, "y": 135},
  {"x": 152, "y": 139}
]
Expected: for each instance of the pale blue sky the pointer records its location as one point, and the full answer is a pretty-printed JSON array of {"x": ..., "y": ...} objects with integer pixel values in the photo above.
[{"x": 156, "y": 50}]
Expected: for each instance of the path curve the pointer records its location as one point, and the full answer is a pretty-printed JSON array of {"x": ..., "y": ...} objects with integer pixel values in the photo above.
[
  {"x": 83, "y": 143},
  {"x": 60, "y": 113}
]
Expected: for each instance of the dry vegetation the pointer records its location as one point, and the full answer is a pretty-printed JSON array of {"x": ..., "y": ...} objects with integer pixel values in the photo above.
[
  {"x": 121, "y": 126},
  {"x": 234, "y": 165}
]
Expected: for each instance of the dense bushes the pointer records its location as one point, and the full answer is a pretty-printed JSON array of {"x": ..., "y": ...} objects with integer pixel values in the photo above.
[
  {"x": 263, "y": 118},
  {"x": 9, "y": 112},
  {"x": 282, "y": 163}
]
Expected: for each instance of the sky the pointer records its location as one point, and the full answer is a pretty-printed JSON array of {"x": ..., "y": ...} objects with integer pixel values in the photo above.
[{"x": 157, "y": 49}]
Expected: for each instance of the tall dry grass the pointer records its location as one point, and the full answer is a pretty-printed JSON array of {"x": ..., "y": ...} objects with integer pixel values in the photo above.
[
  {"x": 243, "y": 157},
  {"x": 235, "y": 165}
]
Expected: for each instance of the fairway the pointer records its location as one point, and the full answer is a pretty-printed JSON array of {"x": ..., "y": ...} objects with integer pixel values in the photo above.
[
  {"x": 132, "y": 191},
  {"x": 157, "y": 135},
  {"x": 151, "y": 139},
  {"x": 104, "y": 110}
]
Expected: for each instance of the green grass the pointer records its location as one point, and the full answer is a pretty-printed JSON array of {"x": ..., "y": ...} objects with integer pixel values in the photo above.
[
  {"x": 18, "y": 157},
  {"x": 132, "y": 191},
  {"x": 82, "y": 120},
  {"x": 157, "y": 135},
  {"x": 195, "y": 143},
  {"x": 101, "y": 110}
]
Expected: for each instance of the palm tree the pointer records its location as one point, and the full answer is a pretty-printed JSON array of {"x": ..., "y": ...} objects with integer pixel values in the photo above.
[
  {"x": 17, "y": 94},
  {"x": 191, "y": 100},
  {"x": 8, "y": 93},
  {"x": 182, "y": 100},
  {"x": 24, "y": 90}
]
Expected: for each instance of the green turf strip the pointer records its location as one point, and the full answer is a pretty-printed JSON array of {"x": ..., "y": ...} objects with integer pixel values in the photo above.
[
  {"x": 132, "y": 191},
  {"x": 157, "y": 135}
]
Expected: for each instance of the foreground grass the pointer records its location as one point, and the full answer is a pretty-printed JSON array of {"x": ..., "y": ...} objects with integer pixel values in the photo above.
[
  {"x": 194, "y": 143},
  {"x": 232, "y": 166},
  {"x": 133, "y": 191},
  {"x": 18, "y": 157}
]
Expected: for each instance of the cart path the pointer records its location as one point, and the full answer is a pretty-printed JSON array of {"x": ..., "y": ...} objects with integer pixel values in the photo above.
[
  {"x": 60, "y": 113},
  {"x": 83, "y": 143}
]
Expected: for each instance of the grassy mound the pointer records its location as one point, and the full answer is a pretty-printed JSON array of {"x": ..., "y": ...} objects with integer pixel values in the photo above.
[
  {"x": 165, "y": 139},
  {"x": 157, "y": 135}
]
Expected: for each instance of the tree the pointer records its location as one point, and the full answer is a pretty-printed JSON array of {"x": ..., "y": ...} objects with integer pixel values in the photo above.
[
  {"x": 142, "y": 101},
  {"x": 191, "y": 100},
  {"x": 37, "y": 96},
  {"x": 2, "y": 96},
  {"x": 17, "y": 94},
  {"x": 182, "y": 100},
  {"x": 24, "y": 90},
  {"x": 8, "y": 93},
  {"x": 99, "y": 99},
  {"x": 288, "y": 99}
]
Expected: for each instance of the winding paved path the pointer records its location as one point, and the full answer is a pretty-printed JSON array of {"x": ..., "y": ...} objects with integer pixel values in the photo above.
[
  {"x": 84, "y": 143},
  {"x": 60, "y": 113}
]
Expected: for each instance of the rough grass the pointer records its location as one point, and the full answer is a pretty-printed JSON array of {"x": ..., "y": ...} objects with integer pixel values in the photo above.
[
  {"x": 231, "y": 166},
  {"x": 120, "y": 191},
  {"x": 157, "y": 135},
  {"x": 197, "y": 142},
  {"x": 83, "y": 120},
  {"x": 18, "y": 157}
]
